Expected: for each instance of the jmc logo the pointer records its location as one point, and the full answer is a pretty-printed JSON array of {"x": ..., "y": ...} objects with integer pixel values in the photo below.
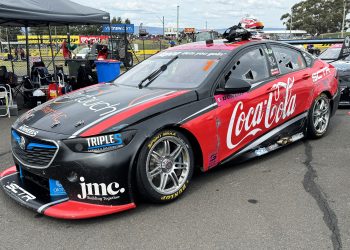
[{"x": 99, "y": 189}]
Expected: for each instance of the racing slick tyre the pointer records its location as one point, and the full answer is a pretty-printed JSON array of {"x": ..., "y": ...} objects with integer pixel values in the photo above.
[
  {"x": 165, "y": 166},
  {"x": 319, "y": 116}
]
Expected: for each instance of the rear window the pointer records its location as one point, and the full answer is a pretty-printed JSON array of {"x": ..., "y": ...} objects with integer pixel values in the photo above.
[{"x": 288, "y": 59}]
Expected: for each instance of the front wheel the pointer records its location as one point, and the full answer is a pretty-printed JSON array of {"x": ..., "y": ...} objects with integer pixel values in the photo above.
[
  {"x": 165, "y": 166},
  {"x": 319, "y": 116}
]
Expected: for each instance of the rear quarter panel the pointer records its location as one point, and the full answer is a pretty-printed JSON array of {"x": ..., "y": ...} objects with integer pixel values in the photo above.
[{"x": 324, "y": 79}]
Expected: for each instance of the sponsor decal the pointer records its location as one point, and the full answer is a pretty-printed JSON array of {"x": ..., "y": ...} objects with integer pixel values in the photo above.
[
  {"x": 56, "y": 188},
  {"x": 99, "y": 191},
  {"x": 173, "y": 196},
  {"x": 320, "y": 74},
  {"x": 155, "y": 139},
  {"x": 245, "y": 124},
  {"x": 222, "y": 100},
  {"x": 192, "y": 53},
  {"x": 104, "y": 141},
  {"x": 28, "y": 131},
  {"x": 89, "y": 101},
  {"x": 275, "y": 71},
  {"x": 55, "y": 114},
  {"x": 213, "y": 160},
  {"x": 20, "y": 192}
]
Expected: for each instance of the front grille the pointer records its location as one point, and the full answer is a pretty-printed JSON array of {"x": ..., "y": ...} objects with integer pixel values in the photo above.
[
  {"x": 32, "y": 152},
  {"x": 38, "y": 180}
]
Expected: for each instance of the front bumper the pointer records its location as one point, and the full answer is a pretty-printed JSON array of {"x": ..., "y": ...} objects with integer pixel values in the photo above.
[
  {"x": 344, "y": 95},
  {"x": 32, "y": 196}
]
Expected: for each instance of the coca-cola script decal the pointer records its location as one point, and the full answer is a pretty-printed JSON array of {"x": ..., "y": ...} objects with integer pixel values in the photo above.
[{"x": 251, "y": 122}]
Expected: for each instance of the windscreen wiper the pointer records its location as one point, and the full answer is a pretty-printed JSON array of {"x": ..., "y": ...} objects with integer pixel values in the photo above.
[{"x": 156, "y": 73}]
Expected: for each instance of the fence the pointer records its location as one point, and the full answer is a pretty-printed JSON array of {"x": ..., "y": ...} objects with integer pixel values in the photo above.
[{"x": 39, "y": 50}]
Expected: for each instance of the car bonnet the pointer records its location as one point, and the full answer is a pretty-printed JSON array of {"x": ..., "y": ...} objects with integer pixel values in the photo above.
[{"x": 81, "y": 110}]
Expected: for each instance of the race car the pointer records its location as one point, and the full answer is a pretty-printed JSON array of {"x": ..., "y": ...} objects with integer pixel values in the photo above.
[
  {"x": 331, "y": 55},
  {"x": 198, "y": 105}
]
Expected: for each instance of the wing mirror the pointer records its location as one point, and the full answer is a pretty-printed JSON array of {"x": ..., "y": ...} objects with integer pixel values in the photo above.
[{"x": 235, "y": 86}]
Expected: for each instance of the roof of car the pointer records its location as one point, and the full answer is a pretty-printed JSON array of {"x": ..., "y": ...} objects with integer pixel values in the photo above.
[{"x": 216, "y": 45}]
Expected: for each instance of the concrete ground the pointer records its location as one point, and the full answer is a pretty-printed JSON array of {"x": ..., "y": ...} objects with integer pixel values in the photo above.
[{"x": 295, "y": 198}]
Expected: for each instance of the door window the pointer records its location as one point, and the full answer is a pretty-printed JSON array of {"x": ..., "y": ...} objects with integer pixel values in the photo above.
[
  {"x": 251, "y": 66},
  {"x": 288, "y": 59}
]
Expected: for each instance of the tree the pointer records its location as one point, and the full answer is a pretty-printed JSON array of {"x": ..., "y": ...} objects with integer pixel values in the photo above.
[
  {"x": 11, "y": 32},
  {"x": 119, "y": 20},
  {"x": 316, "y": 16}
]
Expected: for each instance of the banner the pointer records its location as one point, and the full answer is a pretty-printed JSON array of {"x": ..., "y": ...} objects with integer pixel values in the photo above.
[
  {"x": 119, "y": 28},
  {"x": 44, "y": 39},
  {"x": 189, "y": 30},
  {"x": 93, "y": 39}
]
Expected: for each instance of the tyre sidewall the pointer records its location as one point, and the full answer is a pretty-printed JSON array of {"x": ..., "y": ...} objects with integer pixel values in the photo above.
[
  {"x": 311, "y": 131},
  {"x": 143, "y": 184}
]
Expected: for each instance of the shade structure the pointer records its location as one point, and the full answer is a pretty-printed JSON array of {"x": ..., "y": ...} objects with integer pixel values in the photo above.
[{"x": 33, "y": 13}]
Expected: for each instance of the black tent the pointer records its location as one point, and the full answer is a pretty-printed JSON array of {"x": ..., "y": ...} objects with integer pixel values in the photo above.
[
  {"x": 29, "y": 13},
  {"x": 34, "y": 13}
]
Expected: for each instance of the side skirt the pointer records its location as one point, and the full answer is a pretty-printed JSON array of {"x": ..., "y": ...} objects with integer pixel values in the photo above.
[{"x": 289, "y": 132}]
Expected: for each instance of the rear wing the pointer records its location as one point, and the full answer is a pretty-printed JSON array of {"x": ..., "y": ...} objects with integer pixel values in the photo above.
[
  {"x": 345, "y": 50},
  {"x": 314, "y": 41}
]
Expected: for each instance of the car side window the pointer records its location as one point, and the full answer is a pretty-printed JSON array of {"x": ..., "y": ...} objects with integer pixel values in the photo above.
[
  {"x": 250, "y": 66},
  {"x": 288, "y": 59}
]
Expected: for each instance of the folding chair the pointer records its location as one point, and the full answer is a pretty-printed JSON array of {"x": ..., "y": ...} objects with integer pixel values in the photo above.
[{"x": 6, "y": 99}]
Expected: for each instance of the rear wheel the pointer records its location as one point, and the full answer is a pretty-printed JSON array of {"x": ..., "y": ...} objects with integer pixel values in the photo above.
[
  {"x": 165, "y": 166},
  {"x": 319, "y": 116}
]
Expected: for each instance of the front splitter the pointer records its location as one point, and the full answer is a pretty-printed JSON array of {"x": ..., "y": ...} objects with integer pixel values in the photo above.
[{"x": 60, "y": 207}]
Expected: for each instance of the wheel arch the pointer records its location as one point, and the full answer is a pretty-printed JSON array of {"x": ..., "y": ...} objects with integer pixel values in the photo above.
[
  {"x": 197, "y": 151},
  {"x": 329, "y": 95}
]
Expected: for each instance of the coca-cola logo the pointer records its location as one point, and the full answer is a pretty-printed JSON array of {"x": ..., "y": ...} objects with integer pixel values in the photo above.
[{"x": 248, "y": 122}]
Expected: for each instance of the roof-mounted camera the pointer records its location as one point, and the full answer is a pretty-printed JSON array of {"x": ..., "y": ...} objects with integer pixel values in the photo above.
[{"x": 236, "y": 33}]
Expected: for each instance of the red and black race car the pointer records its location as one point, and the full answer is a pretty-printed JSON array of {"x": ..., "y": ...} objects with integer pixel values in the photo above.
[{"x": 203, "y": 104}]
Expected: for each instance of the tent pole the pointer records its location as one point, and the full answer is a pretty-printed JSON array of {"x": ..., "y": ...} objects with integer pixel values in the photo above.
[
  {"x": 41, "y": 58},
  {"x": 125, "y": 46},
  {"x": 27, "y": 51},
  {"x": 52, "y": 55},
  {"x": 110, "y": 36},
  {"x": 8, "y": 42},
  {"x": 68, "y": 34}
]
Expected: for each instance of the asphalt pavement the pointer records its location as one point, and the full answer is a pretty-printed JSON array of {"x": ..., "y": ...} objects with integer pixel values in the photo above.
[{"x": 295, "y": 198}]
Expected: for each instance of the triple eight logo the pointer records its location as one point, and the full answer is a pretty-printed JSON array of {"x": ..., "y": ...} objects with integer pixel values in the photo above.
[{"x": 99, "y": 189}]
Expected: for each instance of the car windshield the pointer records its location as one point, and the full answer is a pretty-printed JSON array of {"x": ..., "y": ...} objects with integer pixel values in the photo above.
[
  {"x": 330, "y": 54},
  {"x": 188, "y": 71}
]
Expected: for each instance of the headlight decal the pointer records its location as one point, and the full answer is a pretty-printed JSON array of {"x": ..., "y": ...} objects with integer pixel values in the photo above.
[
  {"x": 100, "y": 143},
  {"x": 104, "y": 141}
]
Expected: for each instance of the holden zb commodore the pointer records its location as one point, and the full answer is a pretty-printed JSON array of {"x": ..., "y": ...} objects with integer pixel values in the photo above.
[{"x": 198, "y": 105}]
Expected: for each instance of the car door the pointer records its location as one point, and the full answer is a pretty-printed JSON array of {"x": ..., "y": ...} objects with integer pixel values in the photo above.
[
  {"x": 294, "y": 70},
  {"x": 243, "y": 117}
]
